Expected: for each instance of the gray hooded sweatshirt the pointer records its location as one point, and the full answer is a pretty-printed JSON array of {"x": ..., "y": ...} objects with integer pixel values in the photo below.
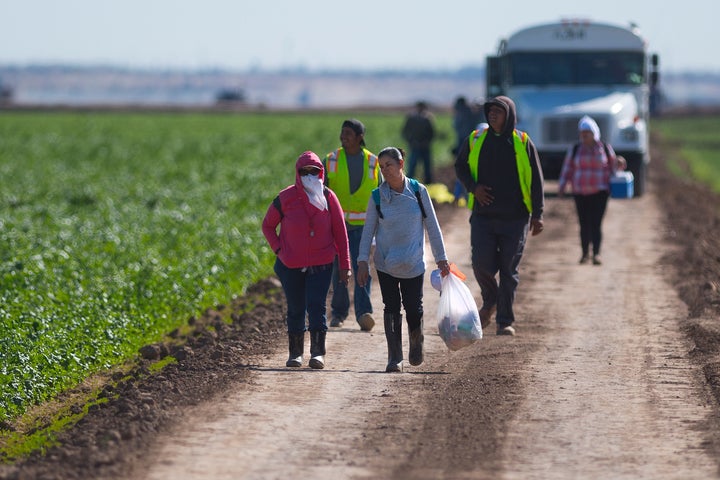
[{"x": 497, "y": 169}]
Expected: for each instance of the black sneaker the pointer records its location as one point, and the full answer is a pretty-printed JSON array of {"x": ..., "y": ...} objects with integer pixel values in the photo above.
[{"x": 336, "y": 322}]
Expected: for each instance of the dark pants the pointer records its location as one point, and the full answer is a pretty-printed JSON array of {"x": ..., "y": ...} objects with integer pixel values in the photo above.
[
  {"x": 420, "y": 154},
  {"x": 306, "y": 293},
  {"x": 497, "y": 247},
  {"x": 406, "y": 291},
  {"x": 590, "y": 211}
]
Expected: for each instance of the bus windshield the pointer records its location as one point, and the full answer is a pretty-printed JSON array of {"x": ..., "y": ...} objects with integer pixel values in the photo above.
[{"x": 576, "y": 68}]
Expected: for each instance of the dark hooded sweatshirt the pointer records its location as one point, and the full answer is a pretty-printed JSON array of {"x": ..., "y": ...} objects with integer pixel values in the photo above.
[{"x": 497, "y": 169}]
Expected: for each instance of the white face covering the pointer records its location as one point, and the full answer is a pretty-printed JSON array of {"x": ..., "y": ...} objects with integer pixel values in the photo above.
[{"x": 314, "y": 189}]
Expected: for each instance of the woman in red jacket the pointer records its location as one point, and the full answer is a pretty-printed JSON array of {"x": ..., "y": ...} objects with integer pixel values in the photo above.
[{"x": 312, "y": 232}]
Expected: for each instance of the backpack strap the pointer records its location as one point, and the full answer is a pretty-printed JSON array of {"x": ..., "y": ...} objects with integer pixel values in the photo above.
[
  {"x": 416, "y": 188},
  {"x": 414, "y": 185},
  {"x": 605, "y": 147},
  {"x": 278, "y": 205},
  {"x": 607, "y": 151},
  {"x": 376, "y": 199}
]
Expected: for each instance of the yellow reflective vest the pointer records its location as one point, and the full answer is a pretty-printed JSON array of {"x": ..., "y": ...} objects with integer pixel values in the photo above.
[
  {"x": 353, "y": 204},
  {"x": 520, "y": 140}
]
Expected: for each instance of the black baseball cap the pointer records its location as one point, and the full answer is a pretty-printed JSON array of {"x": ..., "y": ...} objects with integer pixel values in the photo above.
[{"x": 357, "y": 127}]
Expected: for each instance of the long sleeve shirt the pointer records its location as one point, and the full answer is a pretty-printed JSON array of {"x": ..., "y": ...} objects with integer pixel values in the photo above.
[
  {"x": 307, "y": 236},
  {"x": 400, "y": 234},
  {"x": 588, "y": 171},
  {"x": 497, "y": 169}
]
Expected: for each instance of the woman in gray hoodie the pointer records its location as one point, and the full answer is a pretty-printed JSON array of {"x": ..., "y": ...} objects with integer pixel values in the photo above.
[{"x": 398, "y": 214}]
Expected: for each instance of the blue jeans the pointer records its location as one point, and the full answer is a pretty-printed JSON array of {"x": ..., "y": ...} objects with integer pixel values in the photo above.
[
  {"x": 497, "y": 247},
  {"x": 420, "y": 154},
  {"x": 406, "y": 291},
  {"x": 340, "y": 303},
  {"x": 459, "y": 191},
  {"x": 306, "y": 293}
]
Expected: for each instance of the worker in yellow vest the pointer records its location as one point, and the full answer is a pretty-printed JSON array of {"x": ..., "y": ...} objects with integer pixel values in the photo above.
[
  {"x": 500, "y": 168},
  {"x": 352, "y": 172}
]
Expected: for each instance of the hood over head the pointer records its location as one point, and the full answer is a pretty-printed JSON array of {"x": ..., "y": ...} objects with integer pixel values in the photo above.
[
  {"x": 587, "y": 123},
  {"x": 506, "y": 104},
  {"x": 308, "y": 159},
  {"x": 312, "y": 186}
]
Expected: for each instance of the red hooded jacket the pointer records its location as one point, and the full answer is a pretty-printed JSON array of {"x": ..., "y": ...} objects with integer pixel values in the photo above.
[{"x": 308, "y": 236}]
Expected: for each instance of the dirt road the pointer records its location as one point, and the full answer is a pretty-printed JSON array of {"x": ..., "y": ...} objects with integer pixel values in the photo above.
[{"x": 597, "y": 383}]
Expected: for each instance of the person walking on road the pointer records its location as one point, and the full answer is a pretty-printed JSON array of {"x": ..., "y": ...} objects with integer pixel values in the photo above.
[
  {"x": 419, "y": 132},
  {"x": 500, "y": 168},
  {"x": 398, "y": 215},
  {"x": 352, "y": 173},
  {"x": 587, "y": 168},
  {"x": 465, "y": 120},
  {"x": 312, "y": 234}
]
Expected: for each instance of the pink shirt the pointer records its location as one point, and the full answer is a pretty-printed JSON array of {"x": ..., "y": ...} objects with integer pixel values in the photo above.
[{"x": 589, "y": 171}]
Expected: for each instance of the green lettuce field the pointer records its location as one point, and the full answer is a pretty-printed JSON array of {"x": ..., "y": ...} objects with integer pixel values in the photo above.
[
  {"x": 697, "y": 144},
  {"x": 116, "y": 227}
]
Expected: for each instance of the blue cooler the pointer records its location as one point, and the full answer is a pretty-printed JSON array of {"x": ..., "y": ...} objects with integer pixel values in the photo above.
[{"x": 621, "y": 185}]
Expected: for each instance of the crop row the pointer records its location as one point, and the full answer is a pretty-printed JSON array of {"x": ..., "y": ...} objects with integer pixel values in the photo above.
[{"x": 115, "y": 228}]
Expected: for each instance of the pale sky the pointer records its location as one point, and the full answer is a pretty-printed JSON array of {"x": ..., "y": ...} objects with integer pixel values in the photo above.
[{"x": 327, "y": 34}]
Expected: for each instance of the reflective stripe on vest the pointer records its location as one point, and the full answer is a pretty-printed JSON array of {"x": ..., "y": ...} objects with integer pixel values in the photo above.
[
  {"x": 354, "y": 204},
  {"x": 522, "y": 160}
]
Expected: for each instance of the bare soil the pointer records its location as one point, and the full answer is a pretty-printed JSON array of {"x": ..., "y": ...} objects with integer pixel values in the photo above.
[{"x": 614, "y": 373}]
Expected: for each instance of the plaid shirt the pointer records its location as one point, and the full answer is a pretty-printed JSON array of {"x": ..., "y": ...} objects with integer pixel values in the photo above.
[{"x": 589, "y": 171}]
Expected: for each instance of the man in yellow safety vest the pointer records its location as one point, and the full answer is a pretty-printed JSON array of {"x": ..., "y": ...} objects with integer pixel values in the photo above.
[
  {"x": 500, "y": 168},
  {"x": 352, "y": 172}
]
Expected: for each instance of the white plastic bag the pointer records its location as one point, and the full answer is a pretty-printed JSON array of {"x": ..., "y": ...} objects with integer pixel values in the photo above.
[{"x": 458, "y": 317}]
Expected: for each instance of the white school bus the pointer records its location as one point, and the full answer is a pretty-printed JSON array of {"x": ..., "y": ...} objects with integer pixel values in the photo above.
[{"x": 558, "y": 72}]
